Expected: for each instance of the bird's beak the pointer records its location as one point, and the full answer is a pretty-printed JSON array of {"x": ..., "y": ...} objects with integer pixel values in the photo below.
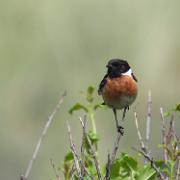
[{"x": 108, "y": 65}]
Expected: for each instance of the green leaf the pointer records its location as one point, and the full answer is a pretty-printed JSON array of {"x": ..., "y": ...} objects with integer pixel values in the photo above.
[
  {"x": 160, "y": 163},
  {"x": 68, "y": 157},
  {"x": 166, "y": 114},
  {"x": 100, "y": 106},
  {"x": 93, "y": 137},
  {"x": 90, "y": 91},
  {"x": 89, "y": 164},
  {"x": 163, "y": 167},
  {"x": 86, "y": 145},
  {"x": 77, "y": 107},
  {"x": 120, "y": 178},
  {"x": 125, "y": 167},
  {"x": 67, "y": 165},
  {"x": 115, "y": 169},
  {"x": 129, "y": 161},
  {"x": 177, "y": 108},
  {"x": 147, "y": 173},
  {"x": 87, "y": 178}
]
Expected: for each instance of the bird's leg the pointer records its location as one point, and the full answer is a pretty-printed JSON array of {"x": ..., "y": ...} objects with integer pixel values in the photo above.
[
  {"x": 119, "y": 128},
  {"x": 115, "y": 115},
  {"x": 124, "y": 112}
]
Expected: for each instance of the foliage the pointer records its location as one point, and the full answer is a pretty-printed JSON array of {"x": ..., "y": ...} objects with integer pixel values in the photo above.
[
  {"x": 176, "y": 108},
  {"x": 125, "y": 166},
  {"x": 89, "y": 109}
]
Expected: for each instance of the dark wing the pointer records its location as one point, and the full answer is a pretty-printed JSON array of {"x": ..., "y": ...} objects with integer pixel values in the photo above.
[
  {"x": 134, "y": 77},
  {"x": 102, "y": 84}
]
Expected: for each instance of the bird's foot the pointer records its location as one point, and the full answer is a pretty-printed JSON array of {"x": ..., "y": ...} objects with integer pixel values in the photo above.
[{"x": 120, "y": 130}]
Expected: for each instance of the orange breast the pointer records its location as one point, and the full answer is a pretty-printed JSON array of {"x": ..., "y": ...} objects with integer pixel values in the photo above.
[{"x": 121, "y": 86}]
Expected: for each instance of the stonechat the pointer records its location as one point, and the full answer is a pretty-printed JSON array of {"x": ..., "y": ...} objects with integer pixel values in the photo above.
[{"x": 118, "y": 88}]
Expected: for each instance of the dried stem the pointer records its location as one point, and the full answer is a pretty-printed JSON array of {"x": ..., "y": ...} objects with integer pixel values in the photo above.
[
  {"x": 164, "y": 142},
  {"x": 108, "y": 168},
  {"x": 73, "y": 169},
  {"x": 113, "y": 156},
  {"x": 83, "y": 123},
  {"x": 139, "y": 133},
  {"x": 171, "y": 131},
  {"x": 148, "y": 120},
  {"x": 36, "y": 150},
  {"x": 153, "y": 165},
  {"x": 54, "y": 169},
  {"x": 116, "y": 146},
  {"x": 75, "y": 155}
]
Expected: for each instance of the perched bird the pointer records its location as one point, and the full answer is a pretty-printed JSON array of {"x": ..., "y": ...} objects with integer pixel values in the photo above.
[{"x": 118, "y": 88}]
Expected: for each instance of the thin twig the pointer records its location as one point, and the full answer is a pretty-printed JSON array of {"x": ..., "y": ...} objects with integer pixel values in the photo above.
[
  {"x": 54, "y": 169},
  {"x": 75, "y": 155},
  {"x": 83, "y": 123},
  {"x": 108, "y": 168},
  {"x": 148, "y": 120},
  {"x": 73, "y": 169},
  {"x": 91, "y": 148},
  {"x": 36, "y": 150},
  {"x": 113, "y": 156},
  {"x": 173, "y": 128},
  {"x": 116, "y": 146},
  {"x": 139, "y": 133},
  {"x": 153, "y": 165},
  {"x": 178, "y": 171},
  {"x": 171, "y": 131},
  {"x": 164, "y": 142},
  {"x": 82, "y": 150}
]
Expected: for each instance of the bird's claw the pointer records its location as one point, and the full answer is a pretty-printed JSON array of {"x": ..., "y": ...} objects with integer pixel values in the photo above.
[{"x": 120, "y": 130}]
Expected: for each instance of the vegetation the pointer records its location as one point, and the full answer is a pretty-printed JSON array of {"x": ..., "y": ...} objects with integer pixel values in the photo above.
[
  {"x": 83, "y": 163},
  {"x": 124, "y": 166}
]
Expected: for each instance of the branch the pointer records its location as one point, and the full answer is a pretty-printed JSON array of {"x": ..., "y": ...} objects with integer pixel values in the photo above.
[
  {"x": 148, "y": 120},
  {"x": 73, "y": 150},
  {"x": 83, "y": 123},
  {"x": 164, "y": 142},
  {"x": 36, "y": 150},
  {"x": 54, "y": 169},
  {"x": 139, "y": 133},
  {"x": 108, "y": 168},
  {"x": 171, "y": 132},
  {"x": 153, "y": 165},
  {"x": 113, "y": 156}
]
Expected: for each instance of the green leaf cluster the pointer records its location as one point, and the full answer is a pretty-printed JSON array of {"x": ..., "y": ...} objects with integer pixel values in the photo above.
[
  {"x": 128, "y": 168},
  {"x": 89, "y": 108}
]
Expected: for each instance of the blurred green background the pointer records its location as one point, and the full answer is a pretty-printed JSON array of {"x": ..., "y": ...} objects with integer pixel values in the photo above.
[{"x": 47, "y": 47}]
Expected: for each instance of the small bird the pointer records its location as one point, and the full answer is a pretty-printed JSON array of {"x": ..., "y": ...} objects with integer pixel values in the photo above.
[{"x": 118, "y": 88}]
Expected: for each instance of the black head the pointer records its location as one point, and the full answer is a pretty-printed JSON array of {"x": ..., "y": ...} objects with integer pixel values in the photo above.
[{"x": 116, "y": 67}]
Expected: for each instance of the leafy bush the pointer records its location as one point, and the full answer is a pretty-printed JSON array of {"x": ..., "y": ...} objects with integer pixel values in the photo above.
[{"x": 123, "y": 167}]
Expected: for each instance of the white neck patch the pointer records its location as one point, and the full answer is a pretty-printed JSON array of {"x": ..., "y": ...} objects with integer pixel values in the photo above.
[{"x": 128, "y": 73}]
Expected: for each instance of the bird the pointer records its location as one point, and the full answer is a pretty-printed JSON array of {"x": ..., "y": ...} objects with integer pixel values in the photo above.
[{"x": 118, "y": 88}]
